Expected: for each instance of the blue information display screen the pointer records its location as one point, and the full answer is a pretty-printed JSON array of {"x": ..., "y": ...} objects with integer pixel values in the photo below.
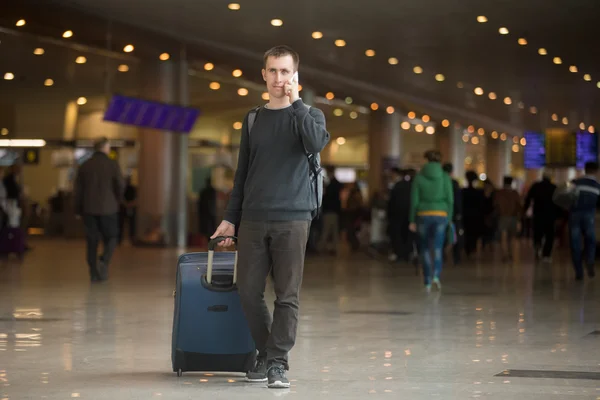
[
  {"x": 534, "y": 153},
  {"x": 149, "y": 114},
  {"x": 587, "y": 148}
]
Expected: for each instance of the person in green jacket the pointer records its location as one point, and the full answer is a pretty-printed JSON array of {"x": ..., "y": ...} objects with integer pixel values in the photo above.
[{"x": 432, "y": 204}]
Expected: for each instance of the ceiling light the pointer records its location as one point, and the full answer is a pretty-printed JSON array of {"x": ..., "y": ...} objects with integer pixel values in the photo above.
[
  {"x": 482, "y": 19},
  {"x": 81, "y": 101},
  {"x": 542, "y": 52},
  {"x": 67, "y": 34},
  {"x": 515, "y": 139},
  {"x": 587, "y": 77},
  {"x": 582, "y": 126},
  {"x": 507, "y": 101},
  {"x": 591, "y": 129},
  {"x": 481, "y": 131},
  {"x": 353, "y": 114},
  {"x": 390, "y": 110},
  {"x": 4, "y": 131},
  {"x": 523, "y": 41},
  {"x": 81, "y": 60},
  {"x": 39, "y": 51},
  {"x": 411, "y": 115},
  {"x": 237, "y": 125},
  {"x": 215, "y": 85},
  {"x": 419, "y": 128},
  {"x": 338, "y": 112},
  {"x": 405, "y": 125},
  {"x": 521, "y": 105},
  {"x": 465, "y": 138},
  {"x": 237, "y": 73},
  {"x": 276, "y": 22},
  {"x": 557, "y": 60},
  {"x": 393, "y": 61},
  {"x": 503, "y": 137},
  {"x": 503, "y": 31},
  {"x": 523, "y": 142},
  {"x": 425, "y": 118},
  {"x": 209, "y": 66},
  {"x": 123, "y": 68},
  {"x": 418, "y": 70},
  {"x": 598, "y": 84},
  {"x": 20, "y": 22},
  {"x": 370, "y": 53},
  {"x": 129, "y": 48},
  {"x": 533, "y": 110},
  {"x": 573, "y": 69},
  {"x": 341, "y": 141},
  {"x": 9, "y": 76},
  {"x": 164, "y": 56},
  {"x": 565, "y": 121},
  {"x": 440, "y": 78},
  {"x": 515, "y": 148},
  {"x": 460, "y": 85},
  {"x": 494, "y": 135},
  {"x": 475, "y": 140},
  {"x": 300, "y": 88},
  {"x": 430, "y": 130},
  {"x": 317, "y": 35},
  {"x": 471, "y": 129},
  {"x": 48, "y": 82},
  {"x": 242, "y": 92},
  {"x": 340, "y": 43},
  {"x": 492, "y": 96},
  {"x": 374, "y": 106},
  {"x": 265, "y": 96},
  {"x": 445, "y": 123},
  {"x": 234, "y": 6},
  {"x": 330, "y": 96},
  {"x": 554, "y": 117},
  {"x": 478, "y": 91},
  {"x": 348, "y": 100}
]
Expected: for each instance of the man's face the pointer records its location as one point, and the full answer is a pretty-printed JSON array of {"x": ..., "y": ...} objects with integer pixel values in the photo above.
[{"x": 278, "y": 71}]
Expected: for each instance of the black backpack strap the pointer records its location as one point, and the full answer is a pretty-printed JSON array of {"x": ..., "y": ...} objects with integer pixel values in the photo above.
[{"x": 252, "y": 117}]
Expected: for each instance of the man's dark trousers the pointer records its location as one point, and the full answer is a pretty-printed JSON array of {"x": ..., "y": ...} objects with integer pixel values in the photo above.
[
  {"x": 280, "y": 246},
  {"x": 105, "y": 227}
]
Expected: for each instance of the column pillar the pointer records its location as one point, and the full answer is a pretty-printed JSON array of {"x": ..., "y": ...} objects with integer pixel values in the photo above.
[
  {"x": 162, "y": 166},
  {"x": 497, "y": 160},
  {"x": 385, "y": 147},
  {"x": 449, "y": 142}
]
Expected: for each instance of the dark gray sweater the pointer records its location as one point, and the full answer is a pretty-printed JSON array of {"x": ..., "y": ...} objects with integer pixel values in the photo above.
[{"x": 272, "y": 178}]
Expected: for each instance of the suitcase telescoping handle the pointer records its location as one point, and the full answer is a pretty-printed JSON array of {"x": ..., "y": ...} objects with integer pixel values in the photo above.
[{"x": 211, "y": 253}]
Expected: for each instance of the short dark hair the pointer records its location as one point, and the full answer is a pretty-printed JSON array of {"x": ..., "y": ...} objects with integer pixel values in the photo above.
[
  {"x": 448, "y": 168},
  {"x": 471, "y": 176},
  {"x": 396, "y": 171},
  {"x": 433, "y": 156},
  {"x": 508, "y": 180},
  {"x": 100, "y": 143},
  {"x": 591, "y": 167},
  {"x": 282, "y": 51}
]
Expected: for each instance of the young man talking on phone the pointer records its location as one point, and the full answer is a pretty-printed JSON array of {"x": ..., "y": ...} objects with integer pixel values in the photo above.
[{"x": 272, "y": 205}]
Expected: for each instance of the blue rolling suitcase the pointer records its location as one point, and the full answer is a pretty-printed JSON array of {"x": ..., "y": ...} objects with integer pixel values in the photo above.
[{"x": 210, "y": 331}]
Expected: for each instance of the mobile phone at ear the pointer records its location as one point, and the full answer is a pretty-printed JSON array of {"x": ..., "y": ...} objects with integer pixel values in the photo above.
[{"x": 295, "y": 77}]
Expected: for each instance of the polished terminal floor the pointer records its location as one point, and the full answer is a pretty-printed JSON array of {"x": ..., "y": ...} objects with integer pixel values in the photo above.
[{"x": 367, "y": 330}]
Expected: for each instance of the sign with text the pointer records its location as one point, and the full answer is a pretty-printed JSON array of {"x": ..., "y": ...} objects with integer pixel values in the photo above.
[
  {"x": 534, "y": 154},
  {"x": 587, "y": 148},
  {"x": 561, "y": 148},
  {"x": 149, "y": 114}
]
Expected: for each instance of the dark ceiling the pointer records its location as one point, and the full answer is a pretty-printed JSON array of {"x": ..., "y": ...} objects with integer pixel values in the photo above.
[{"x": 442, "y": 37}]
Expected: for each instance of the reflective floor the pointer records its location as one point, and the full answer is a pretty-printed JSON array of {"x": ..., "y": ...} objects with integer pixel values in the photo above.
[{"x": 367, "y": 330}]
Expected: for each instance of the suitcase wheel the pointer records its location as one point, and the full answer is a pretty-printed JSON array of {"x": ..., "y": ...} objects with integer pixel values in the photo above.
[{"x": 179, "y": 373}]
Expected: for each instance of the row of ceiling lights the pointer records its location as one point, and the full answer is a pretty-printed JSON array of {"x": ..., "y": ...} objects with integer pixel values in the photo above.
[{"x": 541, "y": 51}]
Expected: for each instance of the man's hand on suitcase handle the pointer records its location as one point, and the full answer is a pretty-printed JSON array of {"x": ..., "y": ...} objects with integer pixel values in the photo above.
[{"x": 225, "y": 229}]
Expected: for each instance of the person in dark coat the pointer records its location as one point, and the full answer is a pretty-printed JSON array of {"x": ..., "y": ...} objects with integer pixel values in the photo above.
[
  {"x": 457, "y": 216},
  {"x": 207, "y": 210},
  {"x": 473, "y": 213},
  {"x": 545, "y": 213},
  {"x": 398, "y": 212}
]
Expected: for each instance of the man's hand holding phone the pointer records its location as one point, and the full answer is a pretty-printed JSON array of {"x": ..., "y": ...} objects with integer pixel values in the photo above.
[{"x": 291, "y": 88}]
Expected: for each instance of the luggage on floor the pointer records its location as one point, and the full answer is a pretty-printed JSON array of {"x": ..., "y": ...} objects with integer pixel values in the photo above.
[
  {"x": 12, "y": 240},
  {"x": 210, "y": 331}
]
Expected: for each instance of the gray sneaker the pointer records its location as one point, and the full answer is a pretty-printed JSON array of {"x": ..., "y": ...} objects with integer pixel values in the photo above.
[
  {"x": 277, "y": 378},
  {"x": 259, "y": 372}
]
